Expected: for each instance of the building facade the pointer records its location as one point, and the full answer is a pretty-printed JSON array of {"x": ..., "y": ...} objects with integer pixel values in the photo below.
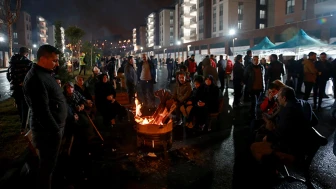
[
  {"x": 141, "y": 33},
  {"x": 51, "y": 35},
  {"x": 237, "y": 15},
  {"x": 261, "y": 14},
  {"x": 152, "y": 30},
  {"x": 204, "y": 19},
  {"x": 22, "y": 32},
  {"x": 186, "y": 21},
  {"x": 166, "y": 25},
  {"x": 41, "y": 31},
  {"x": 134, "y": 39}
]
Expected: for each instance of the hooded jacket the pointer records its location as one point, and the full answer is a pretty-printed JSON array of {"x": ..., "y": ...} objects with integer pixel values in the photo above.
[{"x": 182, "y": 92}]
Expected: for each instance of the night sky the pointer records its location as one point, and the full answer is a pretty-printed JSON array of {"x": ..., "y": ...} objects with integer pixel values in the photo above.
[{"x": 103, "y": 19}]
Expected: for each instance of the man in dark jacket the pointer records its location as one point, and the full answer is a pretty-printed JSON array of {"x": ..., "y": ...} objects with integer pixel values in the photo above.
[
  {"x": 276, "y": 70},
  {"x": 146, "y": 76},
  {"x": 48, "y": 111},
  {"x": 324, "y": 68},
  {"x": 255, "y": 82},
  {"x": 247, "y": 62},
  {"x": 17, "y": 71},
  {"x": 238, "y": 80},
  {"x": 170, "y": 66},
  {"x": 131, "y": 79}
]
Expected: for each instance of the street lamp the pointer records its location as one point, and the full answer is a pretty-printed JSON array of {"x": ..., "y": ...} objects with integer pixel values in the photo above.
[
  {"x": 232, "y": 32},
  {"x": 2, "y": 39},
  {"x": 34, "y": 45},
  {"x": 141, "y": 48}
]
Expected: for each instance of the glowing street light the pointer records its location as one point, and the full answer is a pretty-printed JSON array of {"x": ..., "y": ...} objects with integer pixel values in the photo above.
[
  {"x": 232, "y": 32},
  {"x": 2, "y": 39},
  {"x": 34, "y": 45},
  {"x": 178, "y": 43}
]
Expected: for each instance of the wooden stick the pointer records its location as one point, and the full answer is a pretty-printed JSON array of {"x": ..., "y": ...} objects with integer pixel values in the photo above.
[{"x": 93, "y": 125}]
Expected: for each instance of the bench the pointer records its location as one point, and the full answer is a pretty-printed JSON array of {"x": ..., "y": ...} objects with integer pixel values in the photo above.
[{"x": 214, "y": 116}]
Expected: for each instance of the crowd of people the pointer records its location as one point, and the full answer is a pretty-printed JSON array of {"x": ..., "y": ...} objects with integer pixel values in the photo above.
[{"x": 58, "y": 112}]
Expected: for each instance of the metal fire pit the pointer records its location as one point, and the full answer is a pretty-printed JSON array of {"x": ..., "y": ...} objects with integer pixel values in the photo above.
[{"x": 155, "y": 137}]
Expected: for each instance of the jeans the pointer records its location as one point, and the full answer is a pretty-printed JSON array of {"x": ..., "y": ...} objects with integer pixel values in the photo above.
[
  {"x": 48, "y": 145},
  {"x": 308, "y": 88},
  {"x": 319, "y": 91},
  {"x": 255, "y": 95},
  {"x": 147, "y": 88},
  {"x": 238, "y": 89}
]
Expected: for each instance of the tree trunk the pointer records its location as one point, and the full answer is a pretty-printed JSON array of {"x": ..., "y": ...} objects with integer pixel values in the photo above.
[{"x": 10, "y": 40}]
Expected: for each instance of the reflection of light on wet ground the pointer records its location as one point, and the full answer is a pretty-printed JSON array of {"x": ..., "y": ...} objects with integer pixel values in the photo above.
[{"x": 4, "y": 87}]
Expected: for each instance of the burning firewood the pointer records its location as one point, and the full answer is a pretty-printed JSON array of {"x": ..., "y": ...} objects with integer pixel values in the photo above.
[{"x": 162, "y": 113}]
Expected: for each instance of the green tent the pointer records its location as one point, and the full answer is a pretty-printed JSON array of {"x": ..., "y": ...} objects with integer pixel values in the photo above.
[
  {"x": 301, "y": 39},
  {"x": 263, "y": 45}
]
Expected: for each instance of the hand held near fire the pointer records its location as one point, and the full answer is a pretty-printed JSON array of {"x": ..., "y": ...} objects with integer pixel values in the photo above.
[{"x": 200, "y": 103}]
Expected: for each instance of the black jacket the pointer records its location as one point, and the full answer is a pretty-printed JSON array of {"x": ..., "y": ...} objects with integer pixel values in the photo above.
[
  {"x": 18, "y": 68},
  {"x": 238, "y": 72},
  {"x": 325, "y": 68},
  {"x": 275, "y": 70},
  {"x": 249, "y": 76},
  {"x": 45, "y": 99}
]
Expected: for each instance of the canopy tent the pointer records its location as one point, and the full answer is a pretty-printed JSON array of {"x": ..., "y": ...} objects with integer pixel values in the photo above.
[
  {"x": 301, "y": 39},
  {"x": 334, "y": 43},
  {"x": 264, "y": 44}
]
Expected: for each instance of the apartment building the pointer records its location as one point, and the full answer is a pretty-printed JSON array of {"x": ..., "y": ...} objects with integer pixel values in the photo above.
[
  {"x": 186, "y": 21},
  {"x": 51, "y": 35},
  {"x": 41, "y": 31},
  {"x": 261, "y": 14},
  {"x": 324, "y": 8},
  {"x": 289, "y": 11},
  {"x": 166, "y": 25},
  {"x": 204, "y": 19},
  {"x": 22, "y": 31},
  {"x": 237, "y": 15},
  {"x": 152, "y": 30},
  {"x": 134, "y": 39},
  {"x": 141, "y": 33}
]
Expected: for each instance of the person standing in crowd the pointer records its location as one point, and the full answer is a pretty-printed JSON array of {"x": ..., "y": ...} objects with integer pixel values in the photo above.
[
  {"x": 170, "y": 66},
  {"x": 82, "y": 63},
  {"x": 238, "y": 80},
  {"x": 333, "y": 75},
  {"x": 213, "y": 61},
  {"x": 276, "y": 69},
  {"x": 324, "y": 68},
  {"x": 221, "y": 65},
  {"x": 300, "y": 74},
  {"x": 146, "y": 76},
  {"x": 247, "y": 62},
  {"x": 310, "y": 74},
  {"x": 19, "y": 66},
  {"x": 131, "y": 79},
  {"x": 49, "y": 111},
  {"x": 254, "y": 75},
  {"x": 191, "y": 65},
  {"x": 228, "y": 71}
]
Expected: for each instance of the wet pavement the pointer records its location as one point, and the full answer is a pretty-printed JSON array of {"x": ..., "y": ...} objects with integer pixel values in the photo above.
[
  {"x": 4, "y": 87},
  {"x": 219, "y": 159}
]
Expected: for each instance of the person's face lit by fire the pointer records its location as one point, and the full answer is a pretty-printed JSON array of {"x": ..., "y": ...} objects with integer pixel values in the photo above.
[
  {"x": 182, "y": 78},
  {"x": 208, "y": 81},
  {"x": 105, "y": 79},
  {"x": 197, "y": 84},
  {"x": 70, "y": 89},
  {"x": 80, "y": 81}
]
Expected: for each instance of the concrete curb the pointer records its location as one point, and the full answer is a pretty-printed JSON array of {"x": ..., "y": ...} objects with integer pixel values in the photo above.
[{"x": 3, "y": 70}]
